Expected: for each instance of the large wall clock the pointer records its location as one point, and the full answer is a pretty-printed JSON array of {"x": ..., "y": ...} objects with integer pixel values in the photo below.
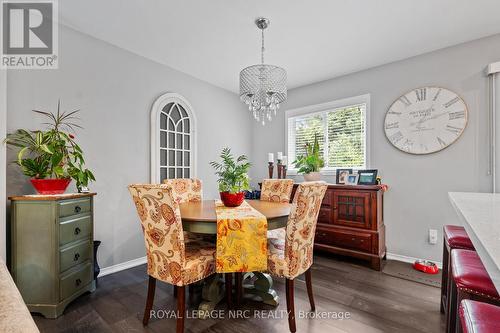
[{"x": 425, "y": 120}]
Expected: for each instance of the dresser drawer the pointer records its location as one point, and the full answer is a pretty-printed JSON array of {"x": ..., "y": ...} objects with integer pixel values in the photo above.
[
  {"x": 74, "y": 255},
  {"x": 354, "y": 241},
  {"x": 75, "y": 229},
  {"x": 76, "y": 280},
  {"x": 73, "y": 207},
  {"x": 325, "y": 215}
]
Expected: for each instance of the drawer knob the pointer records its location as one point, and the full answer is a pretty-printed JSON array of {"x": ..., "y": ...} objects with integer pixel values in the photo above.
[
  {"x": 77, "y": 230},
  {"x": 77, "y": 256},
  {"x": 78, "y": 282},
  {"x": 78, "y": 209}
]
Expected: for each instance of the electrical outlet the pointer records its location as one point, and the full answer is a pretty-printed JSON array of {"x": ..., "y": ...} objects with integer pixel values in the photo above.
[{"x": 433, "y": 236}]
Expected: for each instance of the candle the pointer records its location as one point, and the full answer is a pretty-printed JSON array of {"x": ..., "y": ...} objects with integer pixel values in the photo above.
[
  {"x": 270, "y": 157},
  {"x": 280, "y": 155},
  {"x": 285, "y": 160}
]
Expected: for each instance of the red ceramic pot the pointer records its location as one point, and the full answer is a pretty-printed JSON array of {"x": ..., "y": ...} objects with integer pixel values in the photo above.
[
  {"x": 50, "y": 186},
  {"x": 232, "y": 199}
]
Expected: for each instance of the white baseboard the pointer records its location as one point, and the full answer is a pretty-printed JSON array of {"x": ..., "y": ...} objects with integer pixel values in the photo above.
[
  {"x": 122, "y": 266},
  {"x": 398, "y": 257}
]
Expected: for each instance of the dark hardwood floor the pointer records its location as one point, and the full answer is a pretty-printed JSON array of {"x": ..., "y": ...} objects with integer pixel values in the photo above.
[{"x": 376, "y": 303}]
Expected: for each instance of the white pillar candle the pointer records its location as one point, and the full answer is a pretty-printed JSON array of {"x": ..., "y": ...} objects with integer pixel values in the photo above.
[
  {"x": 280, "y": 155},
  {"x": 270, "y": 157},
  {"x": 285, "y": 160}
]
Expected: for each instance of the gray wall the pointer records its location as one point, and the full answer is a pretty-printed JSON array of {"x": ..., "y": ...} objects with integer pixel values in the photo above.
[
  {"x": 417, "y": 199},
  {"x": 115, "y": 90}
]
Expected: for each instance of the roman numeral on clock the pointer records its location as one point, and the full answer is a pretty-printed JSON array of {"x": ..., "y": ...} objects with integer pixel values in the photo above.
[
  {"x": 437, "y": 95},
  {"x": 394, "y": 113},
  {"x": 453, "y": 129},
  {"x": 421, "y": 94},
  {"x": 392, "y": 125},
  {"x": 451, "y": 102},
  {"x": 441, "y": 142},
  {"x": 396, "y": 137},
  {"x": 405, "y": 101},
  {"x": 456, "y": 115}
]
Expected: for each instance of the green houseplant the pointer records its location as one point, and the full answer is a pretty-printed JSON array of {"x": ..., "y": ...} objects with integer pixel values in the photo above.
[
  {"x": 232, "y": 173},
  {"x": 51, "y": 157},
  {"x": 311, "y": 163}
]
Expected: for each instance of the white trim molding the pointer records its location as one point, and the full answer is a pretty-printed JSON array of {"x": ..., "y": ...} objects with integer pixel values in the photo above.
[
  {"x": 411, "y": 260},
  {"x": 319, "y": 108},
  {"x": 122, "y": 266},
  {"x": 156, "y": 110}
]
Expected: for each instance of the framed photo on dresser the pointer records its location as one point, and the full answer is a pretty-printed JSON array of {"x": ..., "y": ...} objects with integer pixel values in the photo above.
[
  {"x": 367, "y": 177},
  {"x": 342, "y": 175}
]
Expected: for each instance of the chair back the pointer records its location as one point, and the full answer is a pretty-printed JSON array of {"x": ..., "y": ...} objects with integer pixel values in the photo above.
[
  {"x": 162, "y": 227},
  {"x": 301, "y": 226},
  {"x": 185, "y": 189},
  {"x": 276, "y": 190}
]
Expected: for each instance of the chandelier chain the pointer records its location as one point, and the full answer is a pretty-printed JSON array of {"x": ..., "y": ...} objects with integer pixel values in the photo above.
[{"x": 262, "y": 48}]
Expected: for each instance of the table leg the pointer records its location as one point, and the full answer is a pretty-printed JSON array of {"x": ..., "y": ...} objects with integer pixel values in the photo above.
[
  {"x": 211, "y": 295},
  {"x": 262, "y": 288}
]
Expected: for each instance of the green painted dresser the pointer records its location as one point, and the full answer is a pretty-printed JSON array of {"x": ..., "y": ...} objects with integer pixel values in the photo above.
[{"x": 52, "y": 249}]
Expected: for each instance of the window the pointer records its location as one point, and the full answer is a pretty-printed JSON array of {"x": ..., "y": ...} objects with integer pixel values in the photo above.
[
  {"x": 172, "y": 138},
  {"x": 342, "y": 131}
]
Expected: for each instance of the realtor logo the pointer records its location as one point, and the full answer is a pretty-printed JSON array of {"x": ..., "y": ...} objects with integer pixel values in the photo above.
[{"x": 29, "y": 34}]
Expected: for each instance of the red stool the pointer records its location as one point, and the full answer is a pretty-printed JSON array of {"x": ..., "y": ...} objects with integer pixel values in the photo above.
[
  {"x": 477, "y": 317},
  {"x": 455, "y": 237},
  {"x": 469, "y": 280}
]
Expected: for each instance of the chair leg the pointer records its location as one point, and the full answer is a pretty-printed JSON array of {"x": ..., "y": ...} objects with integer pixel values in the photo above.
[
  {"x": 239, "y": 287},
  {"x": 290, "y": 305},
  {"x": 310, "y": 289},
  {"x": 181, "y": 308},
  {"x": 149, "y": 301},
  {"x": 229, "y": 289}
]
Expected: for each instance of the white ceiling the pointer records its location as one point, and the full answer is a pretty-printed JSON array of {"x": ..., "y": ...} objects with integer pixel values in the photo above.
[{"x": 313, "y": 40}]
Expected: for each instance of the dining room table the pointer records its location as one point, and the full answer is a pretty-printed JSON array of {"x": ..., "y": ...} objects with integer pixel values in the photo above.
[{"x": 200, "y": 217}]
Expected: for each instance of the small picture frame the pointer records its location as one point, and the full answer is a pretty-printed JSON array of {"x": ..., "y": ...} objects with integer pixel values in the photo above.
[
  {"x": 342, "y": 175},
  {"x": 351, "y": 179},
  {"x": 367, "y": 177}
]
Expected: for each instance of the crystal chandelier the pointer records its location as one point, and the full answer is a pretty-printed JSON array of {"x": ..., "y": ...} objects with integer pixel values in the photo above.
[{"x": 263, "y": 87}]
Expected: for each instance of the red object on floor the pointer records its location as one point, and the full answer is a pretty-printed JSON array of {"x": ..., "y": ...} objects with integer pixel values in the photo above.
[
  {"x": 478, "y": 317},
  {"x": 232, "y": 199},
  {"x": 456, "y": 237},
  {"x": 426, "y": 266},
  {"x": 50, "y": 186}
]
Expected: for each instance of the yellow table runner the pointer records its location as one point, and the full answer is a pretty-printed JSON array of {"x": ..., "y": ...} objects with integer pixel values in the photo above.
[{"x": 241, "y": 239}]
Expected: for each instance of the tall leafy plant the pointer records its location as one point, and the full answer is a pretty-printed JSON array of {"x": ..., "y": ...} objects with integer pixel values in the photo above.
[
  {"x": 232, "y": 172},
  {"x": 312, "y": 160},
  {"x": 52, "y": 153}
]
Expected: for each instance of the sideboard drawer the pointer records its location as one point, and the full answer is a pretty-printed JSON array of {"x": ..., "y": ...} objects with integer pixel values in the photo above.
[
  {"x": 74, "y": 255},
  {"x": 75, "y": 229},
  {"x": 325, "y": 215},
  {"x": 357, "y": 241},
  {"x": 76, "y": 280},
  {"x": 73, "y": 207}
]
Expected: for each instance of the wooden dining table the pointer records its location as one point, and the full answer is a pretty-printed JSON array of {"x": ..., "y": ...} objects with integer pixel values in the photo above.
[{"x": 200, "y": 217}]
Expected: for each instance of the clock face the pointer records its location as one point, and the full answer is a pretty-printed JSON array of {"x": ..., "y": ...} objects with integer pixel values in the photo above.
[{"x": 425, "y": 120}]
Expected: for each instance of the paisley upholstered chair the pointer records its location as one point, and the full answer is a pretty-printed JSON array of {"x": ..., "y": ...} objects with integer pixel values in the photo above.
[
  {"x": 292, "y": 255},
  {"x": 170, "y": 258},
  {"x": 276, "y": 190},
  {"x": 185, "y": 189}
]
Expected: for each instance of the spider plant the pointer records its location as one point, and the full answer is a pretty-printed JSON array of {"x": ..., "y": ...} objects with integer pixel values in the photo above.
[
  {"x": 52, "y": 153},
  {"x": 232, "y": 172}
]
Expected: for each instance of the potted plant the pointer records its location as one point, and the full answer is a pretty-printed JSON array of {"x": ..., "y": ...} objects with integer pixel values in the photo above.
[
  {"x": 310, "y": 164},
  {"x": 51, "y": 158},
  {"x": 233, "y": 177}
]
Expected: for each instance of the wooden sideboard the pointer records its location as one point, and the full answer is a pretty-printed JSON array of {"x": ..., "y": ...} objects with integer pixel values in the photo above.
[
  {"x": 52, "y": 249},
  {"x": 351, "y": 222}
]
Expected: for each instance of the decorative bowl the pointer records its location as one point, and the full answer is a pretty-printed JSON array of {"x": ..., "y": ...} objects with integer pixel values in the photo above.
[
  {"x": 232, "y": 199},
  {"x": 50, "y": 186}
]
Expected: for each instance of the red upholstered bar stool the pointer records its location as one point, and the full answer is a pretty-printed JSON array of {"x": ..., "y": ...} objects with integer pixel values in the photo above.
[
  {"x": 469, "y": 280},
  {"x": 455, "y": 237},
  {"x": 477, "y": 317}
]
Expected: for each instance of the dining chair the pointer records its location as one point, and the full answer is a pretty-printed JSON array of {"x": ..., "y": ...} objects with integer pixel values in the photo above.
[
  {"x": 292, "y": 255},
  {"x": 276, "y": 190},
  {"x": 170, "y": 259},
  {"x": 185, "y": 189}
]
